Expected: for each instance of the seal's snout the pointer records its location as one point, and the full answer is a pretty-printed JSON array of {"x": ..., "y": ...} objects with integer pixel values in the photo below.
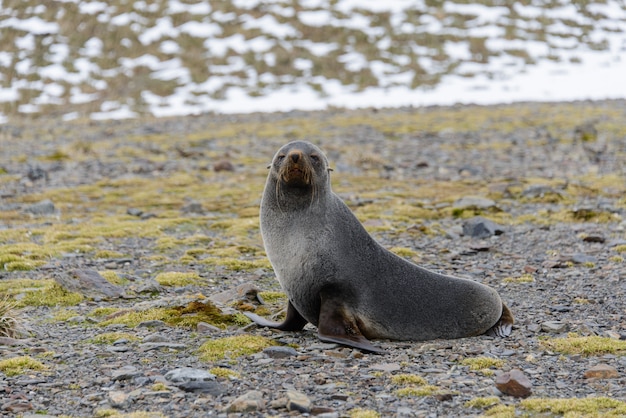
[{"x": 295, "y": 156}]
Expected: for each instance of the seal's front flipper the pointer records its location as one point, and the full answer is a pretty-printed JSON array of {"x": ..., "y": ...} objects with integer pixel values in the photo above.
[
  {"x": 337, "y": 326},
  {"x": 504, "y": 326},
  {"x": 293, "y": 321}
]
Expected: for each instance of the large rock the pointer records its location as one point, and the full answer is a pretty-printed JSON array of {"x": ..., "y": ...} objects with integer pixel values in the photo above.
[{"x": 479, "y": 227}]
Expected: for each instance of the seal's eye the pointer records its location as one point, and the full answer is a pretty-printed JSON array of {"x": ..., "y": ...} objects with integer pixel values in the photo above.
[
  {"x": 315, "y": 158},
  {"x": 280, "y": 158}
]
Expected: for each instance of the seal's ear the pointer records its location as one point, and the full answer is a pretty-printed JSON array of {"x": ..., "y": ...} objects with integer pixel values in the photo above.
[{"x": 330, "y": 169}]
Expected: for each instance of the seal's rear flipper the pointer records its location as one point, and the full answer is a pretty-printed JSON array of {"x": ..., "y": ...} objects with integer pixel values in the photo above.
[
  {"x": 504, "y": 326},
  {"x": 293, "y": 321},
  {"x": 336, "y": 326}
]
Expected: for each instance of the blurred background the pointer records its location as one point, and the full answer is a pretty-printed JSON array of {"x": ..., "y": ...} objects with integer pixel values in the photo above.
[{"x": 121, "y": 58}]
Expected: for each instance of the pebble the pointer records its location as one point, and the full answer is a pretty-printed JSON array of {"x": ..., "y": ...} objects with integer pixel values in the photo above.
[
  {"x": 156, "y": 346},
  {"x": 125, "y": 373},
  {"x": 249, "y": 402},
  {"x": 479, "y": 227},
  {"x": 554, "y": 327},
  {"x": 206, "y": 328},
  {"x": 186, "y": 374},
  {"x": 117, "y": 398},
  {"x": 514, "y": 383},
  {"x": 601, "y": 371},
  {"x": 280, "y": 352},
  {"x": 298, "y": 401},
  {"x": 134, "y": 212}
]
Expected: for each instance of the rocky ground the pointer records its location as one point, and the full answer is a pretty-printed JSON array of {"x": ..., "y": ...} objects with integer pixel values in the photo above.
[{"x": 164, "y": 214}]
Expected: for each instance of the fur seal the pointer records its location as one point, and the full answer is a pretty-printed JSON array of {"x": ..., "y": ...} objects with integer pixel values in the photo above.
[{"x": 337, "y": 277}]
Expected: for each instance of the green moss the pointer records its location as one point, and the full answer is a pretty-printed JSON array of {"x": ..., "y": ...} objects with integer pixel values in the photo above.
[
  {"x": 620, "y": 248},
  {"x": 183, "y": 316},
  {"x": 588, "y": 346},
  {"x": 273, "y": 298},
  {"x": 177, "y": 279},
  {"x": 225, "y": 373},
  {"x": 501, "y": 411},
  {"x": 108, "y": 254},
  {"x": 481, "y": 363},
  {"x": 52, "y": 294},
  {"x": 62, "y": 315},
  {"x": 111, "y": 337},
  {"x": 408, "y": 379},
  {"x": 482, "y": 403},
  {"x": 112, "y": 277},
  {"x": 18, "y": 365},
  {"x": 363, "y": 413},
  {"x": 524, "y": 278},
  {"x": 103, "y": 311},
  {"x": 577, "y": 407},
  {"x": 233, "y": 347},
  {"x": 410, "y": 391},
  {"x": 404, "y": 252},
  {"x": 10, "y": 318}
]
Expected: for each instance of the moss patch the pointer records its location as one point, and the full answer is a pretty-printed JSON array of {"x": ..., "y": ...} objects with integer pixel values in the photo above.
[
  {"x": 481, "y": 363},
  {"x": 482, "y": 403},
  {"x": 177, "y": 279},
  {"x": 18, "y": 365},
  {"x": 111, "y": 337},
  {"x": 363, "y": 413},
  {"x": 408, "y": 379},
  {"x": 588, "y": 346},
  {"x": 577, "y": 407},
  {"x": 225, "y": 373},
  {"x": 233, "y": 347},
  {"x": 183, "y": 316}
]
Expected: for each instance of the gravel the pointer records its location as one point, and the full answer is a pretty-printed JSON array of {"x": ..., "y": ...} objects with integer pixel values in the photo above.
[{"x": 577, "y": 283}]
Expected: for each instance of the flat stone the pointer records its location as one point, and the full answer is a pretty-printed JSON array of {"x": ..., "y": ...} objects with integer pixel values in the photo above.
[
  {"x": 601, "y": 371},
  {"x": 298, "y": 401},
  {"x": 125, "y": 373},
  {"x": 206, "y": 328},
  {"x": 280, "y": 352},
  {"x": 156, "y": 346},
  {"x": 514, "y": 383},
  {"x": 187, "y": 374},
  {"x": 555, "y": 327},
  {"x": 89, "y": 283}
]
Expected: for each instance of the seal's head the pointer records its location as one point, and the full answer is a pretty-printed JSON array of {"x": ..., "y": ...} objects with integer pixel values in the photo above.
[{"x": 299, "y": 168}]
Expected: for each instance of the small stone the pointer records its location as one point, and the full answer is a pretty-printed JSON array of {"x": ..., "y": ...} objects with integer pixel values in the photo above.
[
  {"x": 298, "y": 401},
  {"x": 223, "y": 165},
  {"x": 280, "y": 352},
  {"x": 45, "y": 207},
  {"x": 206, "y": 328},
  {"x": 479, "y": 227},
  {"x": 186, "y": 374},
  {"x": 555, "y": 327},
  {"x": 386, "y": 367},
  {"x": 155, "y": 338},
  {"x": 156, "y": 346},
  {"x": 514, "y": 383},
  {"x": 601, "y": 371},
  {"x": 473, "y": 202},
  {"x": 192, "y": 207},
  {"x": 125, "y": 373},
  {"x": 16, "y": 406},
  {"x": 594, "y": 238},
  {"x": 152, "y": 323},
  {"x": 118, "y": 398},
  {"x": 134, "y": 212},
  {"x": 249, "y": 402},
  {"x": 10, "y": 341}
]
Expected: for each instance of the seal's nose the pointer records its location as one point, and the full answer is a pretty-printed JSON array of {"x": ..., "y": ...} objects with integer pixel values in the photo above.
[{"x": 295, "y": 156}]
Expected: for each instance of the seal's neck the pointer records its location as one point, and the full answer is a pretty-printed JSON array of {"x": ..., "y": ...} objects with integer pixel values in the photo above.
[{"x": 281, "y": 197}]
